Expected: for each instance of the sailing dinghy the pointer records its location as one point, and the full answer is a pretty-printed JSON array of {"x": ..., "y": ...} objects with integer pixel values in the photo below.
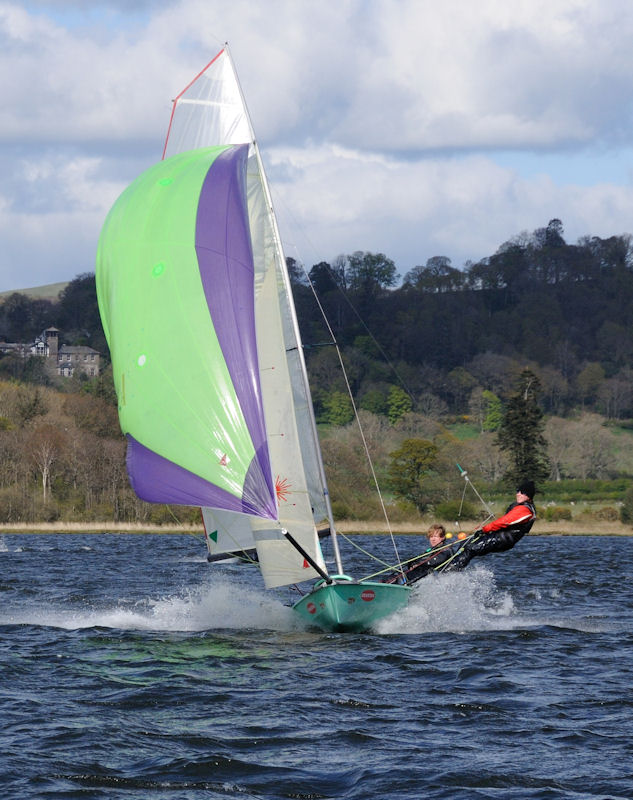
[{"x": 208, "y": 366}]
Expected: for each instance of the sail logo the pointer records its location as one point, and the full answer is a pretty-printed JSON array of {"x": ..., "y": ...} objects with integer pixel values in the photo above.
[
  {"x": 282, "y": 488},
  {"x": 368, "y": 595}
]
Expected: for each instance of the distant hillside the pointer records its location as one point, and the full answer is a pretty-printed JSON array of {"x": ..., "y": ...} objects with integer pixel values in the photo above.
[{"x": 49, "y": 292}]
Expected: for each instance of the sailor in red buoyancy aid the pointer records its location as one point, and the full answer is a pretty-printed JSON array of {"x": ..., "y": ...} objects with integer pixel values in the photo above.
[
  {"x": 495, "y": 537},
  {"x": 501, "y": 534}
]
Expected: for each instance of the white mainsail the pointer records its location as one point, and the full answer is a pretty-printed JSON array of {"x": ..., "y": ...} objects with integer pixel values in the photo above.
[{"x": 211, "y": 111}]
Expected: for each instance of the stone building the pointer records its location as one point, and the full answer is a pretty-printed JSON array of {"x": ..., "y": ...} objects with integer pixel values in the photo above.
[
  {"x": 66, "y": 360},
  {"x": 77, "y": 358}
]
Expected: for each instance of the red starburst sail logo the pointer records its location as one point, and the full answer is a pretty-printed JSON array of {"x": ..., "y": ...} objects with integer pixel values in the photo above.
[{"x": 282, "y": 488}]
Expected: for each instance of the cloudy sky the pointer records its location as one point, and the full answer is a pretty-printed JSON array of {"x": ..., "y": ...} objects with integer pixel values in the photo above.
[{"x": 408, "y": 127}]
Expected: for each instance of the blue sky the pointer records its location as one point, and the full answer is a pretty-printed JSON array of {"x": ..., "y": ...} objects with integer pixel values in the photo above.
[{"x": 407, "y": 127}]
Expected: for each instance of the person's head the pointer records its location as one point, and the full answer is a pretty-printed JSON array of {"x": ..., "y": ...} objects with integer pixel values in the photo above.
[
  {"x": 436, "y": 534},
  {"x": 526, "y": 490}
]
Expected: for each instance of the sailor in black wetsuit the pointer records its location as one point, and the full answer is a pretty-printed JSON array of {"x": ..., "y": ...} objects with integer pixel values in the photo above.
[
  {"x": 495, "y": 537},
  {"x": 501, "y": 534},
  {"x": 439, "y": 552}
]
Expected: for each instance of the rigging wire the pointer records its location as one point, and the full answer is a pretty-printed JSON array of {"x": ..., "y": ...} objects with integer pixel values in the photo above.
[
  {"x": 467, "y": 483},
  {"x": 425, "y": 556},
  {"x": 347, "y": 384},
  {"x": 463, "y": 539},
  {"x": 189, "y": 533},
  {"x": 345, "y": 297},
  {"x": 357, "y": 418}
]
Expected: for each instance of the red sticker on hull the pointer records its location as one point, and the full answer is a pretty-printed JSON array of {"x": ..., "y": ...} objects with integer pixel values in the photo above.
[{"x": 368, "y": 595}]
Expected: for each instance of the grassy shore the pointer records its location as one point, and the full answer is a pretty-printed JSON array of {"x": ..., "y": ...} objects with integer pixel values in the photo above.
[
  {"x": 579, "y": 527},
  {"x": 98, "y": 527}
]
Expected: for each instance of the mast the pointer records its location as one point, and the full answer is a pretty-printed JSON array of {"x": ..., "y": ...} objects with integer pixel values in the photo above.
[{"x": 295, "y": 323}]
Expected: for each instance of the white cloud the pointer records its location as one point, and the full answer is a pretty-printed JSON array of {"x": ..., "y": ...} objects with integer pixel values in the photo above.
[
  {"x": 380, "y": 119},
  {"x": 463, "y": 207}
]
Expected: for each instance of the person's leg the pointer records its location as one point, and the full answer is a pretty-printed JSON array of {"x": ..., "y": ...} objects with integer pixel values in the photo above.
[
  {"x": 429, "y": 564},
  {"x": 497, "y": 542}
]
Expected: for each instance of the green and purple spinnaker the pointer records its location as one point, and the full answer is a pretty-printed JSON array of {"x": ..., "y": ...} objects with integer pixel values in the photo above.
[{"x": 176, "y": 296}]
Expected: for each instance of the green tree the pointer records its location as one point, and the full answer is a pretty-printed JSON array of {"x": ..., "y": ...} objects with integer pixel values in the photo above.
[
  {"x": 626, "y": 510},
  {"x": 437, "y": 276},
  {"x": 410, "y": 463},
  {"x": 17, "y": 318},
  {"x": 398, "y": 404},
  {"x": 373, "y": 400},
  {"x": 78, "y": 313},
  {"x": 295, "y": 271},
  {"x": 337, "y": 408},
  {"x": 521, "y": 432},
  {"x": 589, "y": 381},
  {"x": 460, "y": 384},
  {"x": 370, "y": 272},
  {"x": 325, "y": 278},
  {"x": 493, "y": 411}
]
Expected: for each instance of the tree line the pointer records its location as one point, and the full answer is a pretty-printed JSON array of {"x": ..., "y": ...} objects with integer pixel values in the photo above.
[
  {"x": 62, "y": 456},
  {"x": 445, "y": 366},
  {"x": 440, "y": 341},
  {"x": 75, "y": 311},
  {"x": 445, "y": 335}
]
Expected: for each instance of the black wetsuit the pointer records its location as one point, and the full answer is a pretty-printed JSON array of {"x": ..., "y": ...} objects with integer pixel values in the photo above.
[
  {"x": 432, "y": 559},
  {"x": 495, "y": 537},
  {"x": 499, "y": 537}
]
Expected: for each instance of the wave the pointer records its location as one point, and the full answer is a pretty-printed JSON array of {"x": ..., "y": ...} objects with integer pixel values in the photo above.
[
  {"x": 222, "y": 605},
  {"x": 459, "y": 602}
]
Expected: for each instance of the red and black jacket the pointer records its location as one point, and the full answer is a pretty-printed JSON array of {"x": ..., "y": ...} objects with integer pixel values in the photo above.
[{"x": 518, "y": 520}]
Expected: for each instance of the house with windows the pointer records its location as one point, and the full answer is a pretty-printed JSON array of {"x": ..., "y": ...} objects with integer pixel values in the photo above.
[
  {"x": 77, "y": 358},
  {"x": 66, "y": 360},
  {"x": 45, "y": 344},
  {"x": 14, "y": 349}
]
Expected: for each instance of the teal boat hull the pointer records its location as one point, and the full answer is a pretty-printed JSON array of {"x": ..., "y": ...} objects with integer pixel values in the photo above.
[{"x": 348, "y": 605}]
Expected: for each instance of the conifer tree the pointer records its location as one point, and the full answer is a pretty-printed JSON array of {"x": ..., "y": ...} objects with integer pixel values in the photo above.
[
  {"x": 494, "y": 412},
  {"x": 521, "y": 432}
]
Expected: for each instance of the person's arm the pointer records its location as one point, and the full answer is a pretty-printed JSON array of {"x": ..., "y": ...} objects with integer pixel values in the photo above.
[{"x": 515, "y": 516}]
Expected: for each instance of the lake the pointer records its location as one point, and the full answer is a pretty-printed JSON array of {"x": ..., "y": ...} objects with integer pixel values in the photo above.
[{"x": 131, "y": 668}]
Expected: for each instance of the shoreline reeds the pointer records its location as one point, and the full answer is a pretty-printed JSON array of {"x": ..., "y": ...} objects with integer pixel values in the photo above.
[{"x": 579, "y": 527}]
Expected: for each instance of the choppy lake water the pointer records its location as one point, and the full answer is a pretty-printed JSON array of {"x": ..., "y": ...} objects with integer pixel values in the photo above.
[{"x": 133, "y": 669}]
